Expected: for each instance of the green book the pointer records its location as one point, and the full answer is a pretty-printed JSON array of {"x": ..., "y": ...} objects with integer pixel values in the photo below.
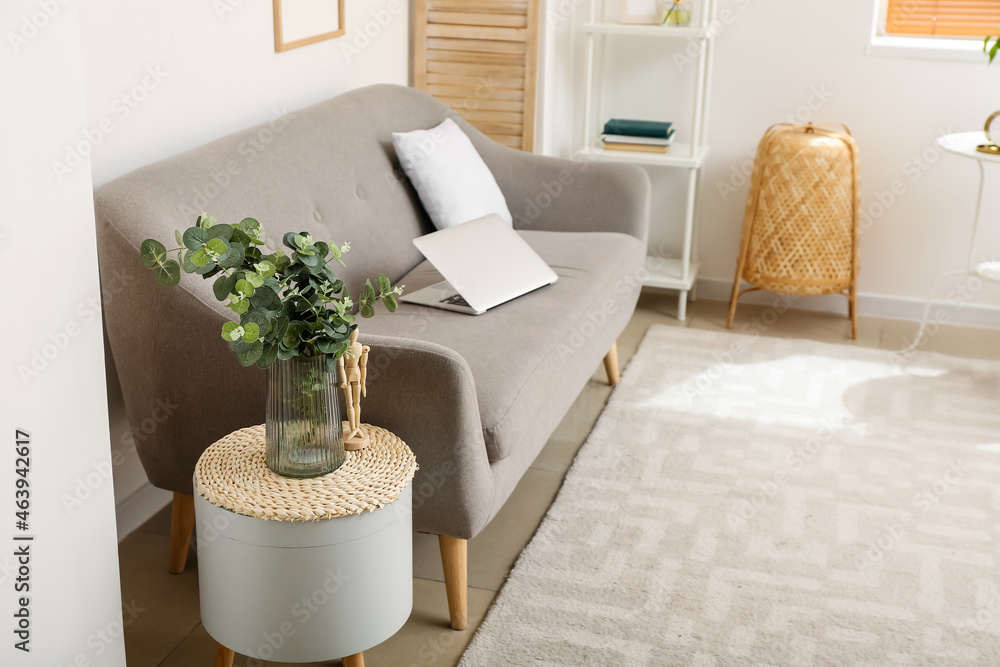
[{"x": 638, "y": 128}]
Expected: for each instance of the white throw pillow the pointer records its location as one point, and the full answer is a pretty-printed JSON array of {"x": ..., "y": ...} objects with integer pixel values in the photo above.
[{"x": 453, "y": 182}]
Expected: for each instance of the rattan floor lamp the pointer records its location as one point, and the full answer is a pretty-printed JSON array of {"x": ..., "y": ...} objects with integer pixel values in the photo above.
[{"x": 800, "y": 228}]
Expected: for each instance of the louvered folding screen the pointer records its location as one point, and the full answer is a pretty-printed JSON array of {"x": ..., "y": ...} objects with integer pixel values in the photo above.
[
  {"x": 974, "y": 18},
  {"x": 481, "y": 58}
]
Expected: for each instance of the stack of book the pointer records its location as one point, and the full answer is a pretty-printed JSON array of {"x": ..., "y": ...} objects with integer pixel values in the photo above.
[{"x": 642, "y": 136}]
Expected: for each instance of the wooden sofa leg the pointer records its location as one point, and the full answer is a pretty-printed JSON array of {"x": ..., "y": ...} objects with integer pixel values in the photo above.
[
  {"x": 455, "y": 558},
  {"x": 611, "y": 365},
  {"x": 356, "y": 660},
  {"x": 223, "y": 656},
  {"x": 181, "y": 527}
]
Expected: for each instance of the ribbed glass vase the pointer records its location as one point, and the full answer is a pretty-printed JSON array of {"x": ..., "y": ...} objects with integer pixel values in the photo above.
[{"x": 304, "y": 436}]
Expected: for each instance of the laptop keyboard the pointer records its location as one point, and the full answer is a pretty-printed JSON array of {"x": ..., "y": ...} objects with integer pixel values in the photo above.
[{"x": 456, "y": 300}]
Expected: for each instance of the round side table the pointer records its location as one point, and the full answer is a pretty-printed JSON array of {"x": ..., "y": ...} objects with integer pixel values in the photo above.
[
  {"x": 964, "y": 144},
  {"x": 303, "y": 570}
]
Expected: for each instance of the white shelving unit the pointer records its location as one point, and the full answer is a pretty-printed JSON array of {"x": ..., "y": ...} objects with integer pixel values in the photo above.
[{"x": 675, "y": 273}]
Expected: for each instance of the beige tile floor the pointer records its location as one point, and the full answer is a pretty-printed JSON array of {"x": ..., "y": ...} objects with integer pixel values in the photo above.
[{"x": 166, "y": 630}]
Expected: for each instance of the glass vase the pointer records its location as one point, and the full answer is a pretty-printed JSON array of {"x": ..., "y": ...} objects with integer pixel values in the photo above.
[{"x": 304, "y": 435}]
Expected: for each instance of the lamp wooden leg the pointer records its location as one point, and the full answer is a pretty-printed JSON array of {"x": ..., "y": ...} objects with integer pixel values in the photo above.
[
  {"x": 852, "y": 310},
  {"x": 224, "y": 656},
  {"x": 611, "y": 365},
  {"x": 356, "y": 660},
  {"x": 455, "y": 558},
  {"x": 181, "y": 526}
]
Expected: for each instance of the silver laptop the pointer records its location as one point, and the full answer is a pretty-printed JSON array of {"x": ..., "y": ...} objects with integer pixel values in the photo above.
[{"x": 484, "y": 263}]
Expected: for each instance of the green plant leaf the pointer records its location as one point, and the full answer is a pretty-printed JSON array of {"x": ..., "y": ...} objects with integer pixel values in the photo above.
[
  {"x": 327, "y": 346},
  {"x": 178, "y": 237},
  {"x": 366, "y": 310},
  {"x": 194, "y": 237},
  {"x": 239, "y": 305},
  {"x": 285, "y": 352},
  {"x": 247, "y": 353},
  {"x": 209, "y": 270},
  {"x": 265, "y": 268},
  {"x": 268, "y": 355},
  {"x": 265, "y": 297},
  {"x": 245, "y": 288},
  {"x": 289, "y": 240},
  {"x": 390, "y": 302},
  {"x": 217, "y": 246},
  {"x": 233, "y": 257},
  {"x": 250, "y": 227},
  {"x": 310, "y": 260},
  {"x": 221, "y": 232},
  {"x": 200, "y": 258},
  {"x": 251, "y": 332},
  {"x": 151, "y": 252},
  {"x": 383, "y": 283},
  {"x": 292, "y": 333},
  {"x": 993, "y": 50},
  {"x": 186, "y": 263},
  {"x": 254, "y": 279},
  {"x": 206, "y": 221},
  {"x": 168, "y": 273},
  {"x": 228, "y": 330},
  {"x": 223, "y": 286}
]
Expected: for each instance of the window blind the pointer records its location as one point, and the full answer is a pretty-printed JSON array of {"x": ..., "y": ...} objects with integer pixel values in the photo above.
[{"x": 965, "y": 18}]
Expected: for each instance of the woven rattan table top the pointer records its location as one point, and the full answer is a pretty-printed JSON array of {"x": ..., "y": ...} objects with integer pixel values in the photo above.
[{"x": 232, "y": 474}]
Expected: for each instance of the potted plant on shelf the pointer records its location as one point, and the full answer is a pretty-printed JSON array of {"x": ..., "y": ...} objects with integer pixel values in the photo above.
[{"x": 296, "y": 320}]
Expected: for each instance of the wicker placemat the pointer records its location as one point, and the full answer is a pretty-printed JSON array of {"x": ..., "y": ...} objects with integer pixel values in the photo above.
[{"x": 232, "y": 474}]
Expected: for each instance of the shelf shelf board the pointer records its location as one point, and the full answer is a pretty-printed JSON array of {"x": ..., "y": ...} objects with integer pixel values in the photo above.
[
  {"x": 668, "y": 273},
  {"x": 646, "y": 30},
  {"x": 678, "y": 156}
]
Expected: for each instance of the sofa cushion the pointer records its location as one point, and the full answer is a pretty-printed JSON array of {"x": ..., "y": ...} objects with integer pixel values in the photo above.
[{"x": 521, "y": 392}]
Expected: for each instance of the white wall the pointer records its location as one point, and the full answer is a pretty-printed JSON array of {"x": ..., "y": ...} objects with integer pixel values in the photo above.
[
  {"x": 52, "y": 387},
  {"x": 164, "y": 77},
  {"x": 774, "y": 60}
]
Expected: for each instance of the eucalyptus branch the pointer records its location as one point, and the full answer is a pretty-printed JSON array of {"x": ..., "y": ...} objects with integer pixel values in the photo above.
[{"x": 276, "y": 319}]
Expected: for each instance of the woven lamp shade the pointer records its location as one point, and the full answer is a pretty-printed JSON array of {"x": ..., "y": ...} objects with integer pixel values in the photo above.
[{"x": 800, "y": 228}]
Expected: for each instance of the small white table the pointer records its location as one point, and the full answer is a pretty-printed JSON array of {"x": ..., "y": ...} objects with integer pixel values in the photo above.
[
  {"x": 303, "y": 570},
  {"x": 964, "y": 144}
]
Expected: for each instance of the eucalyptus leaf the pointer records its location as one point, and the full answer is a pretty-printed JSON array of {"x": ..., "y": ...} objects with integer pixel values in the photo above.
[
  {"x": 389, "y": 300},
  {"x": 233, "y": 257},
  {"x": 268, "y": 355},
  {"x": 251, "y": 332},
  {"x": 247, "y": 353},
  {"x": 168, "y": 273},
  {"x": 195, "y": 237},
  {"x": 250, "y": 227},
  {"x": 223, "y": 286},
  {"x": 384, "y": 285},
  {"x": 227, "y": 331},
  {"x": 244, "y": 287},
  {"x": 150, "y": 252},
  {"x": 221, "y": 232},
  {"x": 200, "y": 257},
  {"x": 367, "y": 310},
  {"x": 217, "y": 246},
  {"x": 178, "y": 237}
]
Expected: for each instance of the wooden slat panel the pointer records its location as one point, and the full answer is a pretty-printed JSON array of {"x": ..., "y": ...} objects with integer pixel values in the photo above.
[
  {"x": 472, "y": 69},
  {"x": 531, "y": 72},
  {"x": 475, "y": 45},
  {"x": 474, "y": 18},
  {"x": 483, "y": 105},
  {"x": 473, "y": 115},
  {"x": 481, "y": 6},
  {"x": 507, "y": 140},
  {"x": 487, "y": 127},
  {"x": 474, "y": 92},
  {"x": 486, "y": 79},
  {"x": 477, "y": 32},
  {"x": 420, "y": 45},
  {"x": 943, "y": 17},
  {"x": 476, "y": 57}
]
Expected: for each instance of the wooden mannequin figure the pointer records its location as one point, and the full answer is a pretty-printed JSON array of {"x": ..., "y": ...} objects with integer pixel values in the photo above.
[{"x": 352, "y": 369}]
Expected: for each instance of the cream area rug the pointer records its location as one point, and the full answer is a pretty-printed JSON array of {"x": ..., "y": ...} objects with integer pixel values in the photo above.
[{"x": 758, "y": 501}]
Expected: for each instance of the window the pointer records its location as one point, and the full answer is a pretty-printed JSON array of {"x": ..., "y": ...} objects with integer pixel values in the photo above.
[{"x": 949, "y": 18}]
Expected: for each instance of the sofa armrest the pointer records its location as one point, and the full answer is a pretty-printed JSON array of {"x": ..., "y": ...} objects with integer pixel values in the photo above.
[
  {"x": 579, "y": 195},
  {"x": 425, "y": 394}
]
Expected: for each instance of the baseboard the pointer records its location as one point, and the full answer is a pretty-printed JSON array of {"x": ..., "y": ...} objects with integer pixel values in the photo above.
[
  {"x": 871, "y": 305},
  {"x": 139, "y": 508}
]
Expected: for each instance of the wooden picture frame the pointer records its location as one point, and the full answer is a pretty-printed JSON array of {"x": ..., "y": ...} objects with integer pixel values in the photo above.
[{"x": 280, "y": 27}]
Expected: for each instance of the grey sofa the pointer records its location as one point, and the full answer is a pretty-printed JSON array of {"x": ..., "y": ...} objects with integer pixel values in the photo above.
[{"x": 476, "y": 398}]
